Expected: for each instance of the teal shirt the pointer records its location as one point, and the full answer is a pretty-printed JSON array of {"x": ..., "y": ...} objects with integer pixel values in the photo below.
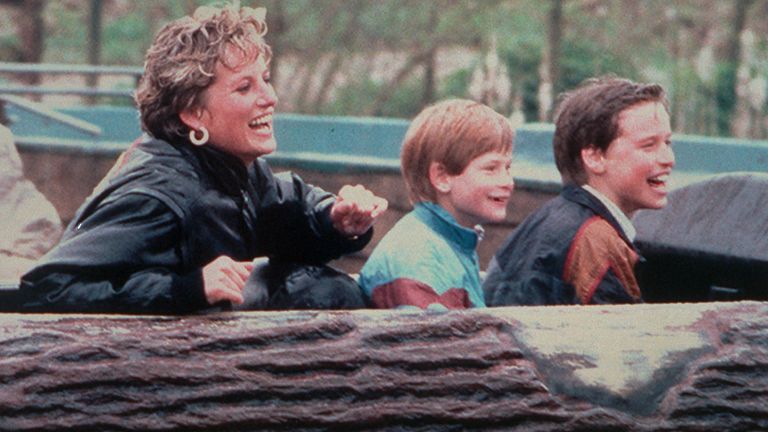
[{"x": 429, "y": 252}]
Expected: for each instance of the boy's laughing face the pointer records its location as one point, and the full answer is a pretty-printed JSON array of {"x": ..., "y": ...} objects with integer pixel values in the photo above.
[
  {"x": 481, "y": 192},
  {"x": 634, "y": 171}
]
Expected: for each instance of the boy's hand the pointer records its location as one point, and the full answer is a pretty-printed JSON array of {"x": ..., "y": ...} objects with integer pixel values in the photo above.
[{"x": 355, "y": 210}]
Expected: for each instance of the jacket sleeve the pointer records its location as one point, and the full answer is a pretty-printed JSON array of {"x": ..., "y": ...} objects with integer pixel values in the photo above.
[
  {"x": 410, "y": 292},
  {"x": 530, "y": 287},
  {"x": 598, "y": 268},
  {"x": 294, "y": 222},
  {"x": 124, "y": 257},
  {"x": 600, "y": 265}
]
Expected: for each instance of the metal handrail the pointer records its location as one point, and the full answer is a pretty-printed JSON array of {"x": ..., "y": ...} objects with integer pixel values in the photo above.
[
  {"x": 42, "y": 110},
  {"x": 63, "y": 69},
  {"x": 67, "y": 69},
  {"x": 42, "y": 90}
]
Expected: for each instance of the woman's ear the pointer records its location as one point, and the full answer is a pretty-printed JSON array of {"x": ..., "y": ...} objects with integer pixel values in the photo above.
[
  {"x": 439, "y": 177},
  {"x": 593, "y": 159},
  {"x": 192, "y": 117}
]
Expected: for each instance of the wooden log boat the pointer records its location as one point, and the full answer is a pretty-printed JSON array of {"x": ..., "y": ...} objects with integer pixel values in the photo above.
[{"x": 652, "y": 367}]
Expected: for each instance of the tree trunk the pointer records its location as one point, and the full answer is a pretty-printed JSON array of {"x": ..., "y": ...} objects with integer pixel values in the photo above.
[
  {"x": 314, "y": 57},
  {"x": 327, "y": 81},
  {"x": 550, "y": 61},
  {"x": 631, "y": 368},
  {"x": 94, "y": 43},
  {"x": 276, "y": 31},
  {"x": 350, "y": 34},
  {"x": 30, "y": 29},
  {"x": 430, "y": 67},
  {"x": 728, "y": 82}
]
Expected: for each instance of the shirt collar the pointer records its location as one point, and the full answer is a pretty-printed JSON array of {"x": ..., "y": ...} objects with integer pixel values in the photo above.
[
  {"x": 446, "y": 225},
  {"x": 621, "y": 218}
]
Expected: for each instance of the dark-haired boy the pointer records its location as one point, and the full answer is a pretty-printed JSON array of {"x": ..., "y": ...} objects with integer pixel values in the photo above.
[{"x": 613, "y": 150}]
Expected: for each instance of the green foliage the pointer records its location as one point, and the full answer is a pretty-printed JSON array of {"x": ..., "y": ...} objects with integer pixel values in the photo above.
[
  {"x": 361, "y": 95},
  {"x": 455, "y": 84},
  {"x": 9, "y": 48},
  {"x": 125, "y": 39},
  {"x": 522, "y": 61},
  {"x": 65, "y": 40},
  {"x": 351, "y": 97},
  {"x": 725, "y": 96},
  {"x": 653, "y": 39},
  {"x": 581, "y": 59},
  {"x": 405, "y": 101}
]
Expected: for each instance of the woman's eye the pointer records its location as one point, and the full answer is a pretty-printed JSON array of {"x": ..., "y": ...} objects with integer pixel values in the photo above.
[{"x": 244, "y": 88}]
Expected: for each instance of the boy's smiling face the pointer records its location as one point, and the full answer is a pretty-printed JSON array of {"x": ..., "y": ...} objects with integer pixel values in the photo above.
[
  {"x": 480, "y": 193},
  {"x": 634, "y": 171}
]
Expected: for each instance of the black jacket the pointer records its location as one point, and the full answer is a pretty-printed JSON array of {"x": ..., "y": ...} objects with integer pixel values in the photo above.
[
  {"x": 139, "y": 242},
  {"x": 570, "y": 251}
]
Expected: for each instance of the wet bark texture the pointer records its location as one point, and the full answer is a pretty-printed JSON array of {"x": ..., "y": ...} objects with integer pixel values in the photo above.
[{"x": 384, "y": 370}]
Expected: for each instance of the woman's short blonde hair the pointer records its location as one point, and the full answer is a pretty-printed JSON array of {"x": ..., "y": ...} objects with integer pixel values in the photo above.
[
  {"x": 181, "y": 62},
  {"x": 452, "y": 132}
]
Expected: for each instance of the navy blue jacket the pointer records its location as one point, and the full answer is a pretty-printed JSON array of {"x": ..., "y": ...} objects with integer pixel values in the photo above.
[
  {"x": 139, "y": 242},
  {"x": 570, "y": 251}
]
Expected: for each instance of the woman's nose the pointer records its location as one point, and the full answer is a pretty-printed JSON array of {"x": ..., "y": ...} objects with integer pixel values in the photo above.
[{"x": 267, "y": 96}]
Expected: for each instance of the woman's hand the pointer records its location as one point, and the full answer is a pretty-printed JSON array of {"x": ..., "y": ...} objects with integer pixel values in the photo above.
[
  {"x": 224, "y": 279},
  {"x": 355, "y": 210}
]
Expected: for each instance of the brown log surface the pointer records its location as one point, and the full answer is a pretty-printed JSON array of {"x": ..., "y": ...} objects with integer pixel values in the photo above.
[{"x": 664, "y": 367}]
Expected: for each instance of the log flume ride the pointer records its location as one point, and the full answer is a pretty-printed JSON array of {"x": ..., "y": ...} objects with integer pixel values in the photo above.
[{"x": 695, "y": 358}]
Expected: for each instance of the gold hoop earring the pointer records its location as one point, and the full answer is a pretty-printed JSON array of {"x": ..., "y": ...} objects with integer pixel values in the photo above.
[{"x": 198, "y": 141}]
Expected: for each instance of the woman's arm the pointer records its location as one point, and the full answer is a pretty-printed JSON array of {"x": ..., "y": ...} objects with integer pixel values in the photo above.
[
  {"x": 295, "y": 224},
  {"x": 123, "y": 257}
]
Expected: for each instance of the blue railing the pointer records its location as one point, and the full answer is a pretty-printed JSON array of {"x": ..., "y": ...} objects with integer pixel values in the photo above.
[
  {"x": 66, "y": 69},
  {"x": 336, "y": 143}
]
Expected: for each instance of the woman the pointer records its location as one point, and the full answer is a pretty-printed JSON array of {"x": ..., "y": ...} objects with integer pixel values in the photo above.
[{"x": 176, "y": 224}]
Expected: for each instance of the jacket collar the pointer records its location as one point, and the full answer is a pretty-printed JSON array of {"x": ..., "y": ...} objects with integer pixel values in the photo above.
[
  {"x": 582, "y": 197},
  {"x": 226, "y": 171},
  {"x": 621, "y": 218},
  {"x": 446, "y": 225}
]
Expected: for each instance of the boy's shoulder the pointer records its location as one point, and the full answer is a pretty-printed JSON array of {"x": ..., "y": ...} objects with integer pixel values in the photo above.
[
  {"x": 410, "y": 249},
  {"x": 552, "y": 229},
  {"x": 409, "y": 240},
  {"x": 563, "y": 214}
]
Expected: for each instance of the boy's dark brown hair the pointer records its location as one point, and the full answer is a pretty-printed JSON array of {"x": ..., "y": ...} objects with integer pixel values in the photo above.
[
  {"x": 452, "y": 132},
  {"x": 589, "y": 117}
]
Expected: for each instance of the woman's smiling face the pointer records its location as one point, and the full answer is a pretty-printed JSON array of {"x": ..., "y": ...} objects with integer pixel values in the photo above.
[{"x": 237, "y": 108}]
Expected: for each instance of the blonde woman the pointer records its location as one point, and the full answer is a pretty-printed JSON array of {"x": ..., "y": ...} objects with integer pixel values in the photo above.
[{"x": 175, "y": 226}]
